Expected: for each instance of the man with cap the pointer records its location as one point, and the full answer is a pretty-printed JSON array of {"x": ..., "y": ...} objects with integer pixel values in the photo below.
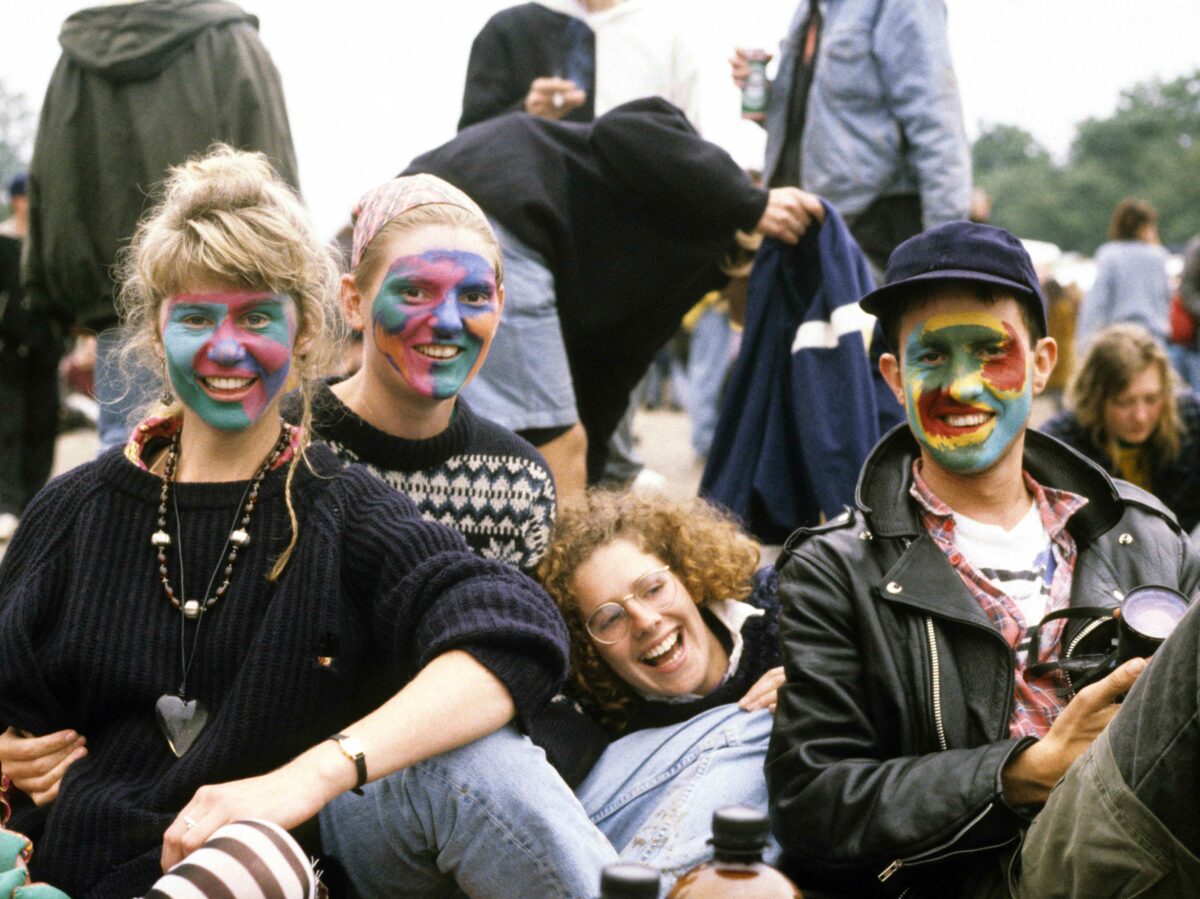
[{"x": 921, "y": 730}]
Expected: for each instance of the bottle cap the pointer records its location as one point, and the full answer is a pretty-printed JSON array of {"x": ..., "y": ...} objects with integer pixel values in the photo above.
[
  {"x": 629, "y": 881},
  {"x": 739, "y": 828}
]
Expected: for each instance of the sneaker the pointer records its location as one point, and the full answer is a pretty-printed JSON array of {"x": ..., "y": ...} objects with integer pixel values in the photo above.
[{"x": 8, "y": 526}]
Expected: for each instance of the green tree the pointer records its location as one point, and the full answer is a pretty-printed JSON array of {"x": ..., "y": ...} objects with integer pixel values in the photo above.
[
  {"x": 1001, "y": 147},
  {"x": 1149, "y": 148}
]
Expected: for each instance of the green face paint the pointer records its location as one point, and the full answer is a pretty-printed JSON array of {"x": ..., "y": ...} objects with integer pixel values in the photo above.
[{"x": 969, "y": 388}]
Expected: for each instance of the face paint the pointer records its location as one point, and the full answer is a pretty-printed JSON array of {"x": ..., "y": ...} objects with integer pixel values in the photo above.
[
  {"x": 969, "y": 388},
  {"x": 434, "y": 318},
  {"x": 228, "y": 353}
]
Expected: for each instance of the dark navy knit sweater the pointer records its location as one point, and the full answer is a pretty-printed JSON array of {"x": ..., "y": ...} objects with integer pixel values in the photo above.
[
  {"x": 89, "y": 641},
  {"x": 476, "y": 477}
]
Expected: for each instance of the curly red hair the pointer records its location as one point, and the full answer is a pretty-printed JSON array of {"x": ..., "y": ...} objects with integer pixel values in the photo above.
[{"x": 705, "y": 548}]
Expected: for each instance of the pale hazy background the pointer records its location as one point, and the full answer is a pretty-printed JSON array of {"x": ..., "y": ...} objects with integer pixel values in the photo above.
[{"x": 370, "y": 85}]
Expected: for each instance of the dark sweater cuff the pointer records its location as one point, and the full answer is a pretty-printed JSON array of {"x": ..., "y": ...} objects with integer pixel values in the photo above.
[
  {"x": 752, "y": 208},
  {"x": 530, "y": 683}
]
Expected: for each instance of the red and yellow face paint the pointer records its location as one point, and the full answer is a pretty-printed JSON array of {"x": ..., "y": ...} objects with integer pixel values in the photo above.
[{"x": 968, "y": 381}]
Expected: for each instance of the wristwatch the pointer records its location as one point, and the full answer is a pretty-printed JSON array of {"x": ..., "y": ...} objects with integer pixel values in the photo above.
[{"x": 352, "y": 748}]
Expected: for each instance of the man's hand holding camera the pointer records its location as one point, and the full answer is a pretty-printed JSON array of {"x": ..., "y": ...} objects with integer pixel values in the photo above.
[{"x": 1029, "y": 778}]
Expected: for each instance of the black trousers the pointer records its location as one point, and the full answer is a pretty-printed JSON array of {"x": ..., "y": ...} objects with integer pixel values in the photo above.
[{"x": 28, "y": 428}]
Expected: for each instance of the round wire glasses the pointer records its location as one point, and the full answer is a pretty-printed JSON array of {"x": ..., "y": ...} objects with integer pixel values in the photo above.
[{"x": 609, "y": 623}]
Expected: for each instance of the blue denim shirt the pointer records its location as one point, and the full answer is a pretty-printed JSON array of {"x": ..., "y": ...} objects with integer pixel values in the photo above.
[{"x": 884, "y": 115}]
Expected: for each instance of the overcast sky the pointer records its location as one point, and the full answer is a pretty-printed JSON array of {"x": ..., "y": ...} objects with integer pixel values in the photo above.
[{"x": 370, "y": 85}]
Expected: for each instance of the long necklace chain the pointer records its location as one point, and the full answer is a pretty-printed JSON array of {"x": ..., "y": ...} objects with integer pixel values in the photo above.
[{"x": 238, "y": 539}]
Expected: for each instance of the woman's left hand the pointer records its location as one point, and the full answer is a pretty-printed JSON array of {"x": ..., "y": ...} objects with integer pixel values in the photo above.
[
  {"x": 762, "y": 695},
  {"x": 286, "y": 796}
]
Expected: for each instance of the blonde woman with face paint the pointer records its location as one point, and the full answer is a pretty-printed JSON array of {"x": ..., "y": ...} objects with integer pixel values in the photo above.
[
  {"x": 222, "y": 621},
  {"x": 426, "y": 292}
]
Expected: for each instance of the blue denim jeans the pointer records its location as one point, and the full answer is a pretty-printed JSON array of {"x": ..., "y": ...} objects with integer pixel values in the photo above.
[
  {"x": 653, "y": 793},
  {"x": 710, "y": 355},
  {"x": 494, "y": 815}
]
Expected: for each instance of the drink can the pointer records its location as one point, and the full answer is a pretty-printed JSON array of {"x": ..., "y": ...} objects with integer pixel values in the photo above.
[{"x": 756, "y": 90}]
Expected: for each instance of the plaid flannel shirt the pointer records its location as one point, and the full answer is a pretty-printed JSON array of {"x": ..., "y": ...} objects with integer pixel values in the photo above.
[{"x": 1037, "y": 702}]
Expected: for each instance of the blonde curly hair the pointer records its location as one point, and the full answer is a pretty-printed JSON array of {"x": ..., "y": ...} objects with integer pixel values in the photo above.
[
  {"x": 228, "y": 219},
  {"x": 705, "y": 548}
]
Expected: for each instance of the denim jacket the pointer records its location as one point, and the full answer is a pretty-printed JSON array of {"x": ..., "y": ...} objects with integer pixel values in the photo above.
[{"x": 883, "y": 115}]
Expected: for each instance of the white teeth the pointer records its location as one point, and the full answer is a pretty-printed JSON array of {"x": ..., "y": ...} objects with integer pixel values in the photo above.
[
  {"x": 665, "y": 646},
  {"x": 438, "y": 351},
  {"x": 966, "y": 421},
  {"x": 227, "y": 383}
]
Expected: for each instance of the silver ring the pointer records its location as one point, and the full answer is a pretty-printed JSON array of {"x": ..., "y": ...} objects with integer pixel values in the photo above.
[
  {"x": 557, "y": 99},
  {"x": 189, "y": 823}
]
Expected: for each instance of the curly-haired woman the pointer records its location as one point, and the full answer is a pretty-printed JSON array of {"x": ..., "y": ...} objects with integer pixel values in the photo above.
[
  {"x": 675, "y": 664},
  {"x": 675, "y": 654}
]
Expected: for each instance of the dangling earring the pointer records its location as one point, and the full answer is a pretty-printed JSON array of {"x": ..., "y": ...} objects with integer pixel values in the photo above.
[{"x": 167, "y": 397}]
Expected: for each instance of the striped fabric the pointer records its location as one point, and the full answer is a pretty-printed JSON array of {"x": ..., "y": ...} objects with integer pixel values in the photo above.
[{"x": 242, "y": 860}]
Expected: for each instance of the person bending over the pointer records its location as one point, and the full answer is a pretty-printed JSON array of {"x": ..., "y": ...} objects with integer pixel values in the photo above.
[{"x": 920, "y": 731}]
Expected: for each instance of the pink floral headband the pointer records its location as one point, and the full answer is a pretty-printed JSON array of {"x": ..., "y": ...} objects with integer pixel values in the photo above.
[{"x": 380, "y": 205}]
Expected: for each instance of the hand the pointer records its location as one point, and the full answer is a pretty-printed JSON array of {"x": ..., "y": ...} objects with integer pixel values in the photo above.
[
  {"x": 553, "y": 98},
  {"x": 788, "y": 214},
  {"x": 1029, "y": 777},
  {"x": 739, "y": 68},
  {"x": 763, "y": 694},
  {"x": 36, "y": 765},
  {"x": 287, "y": 796}
]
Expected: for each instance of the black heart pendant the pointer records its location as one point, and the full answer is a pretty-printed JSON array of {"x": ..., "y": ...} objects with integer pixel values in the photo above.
[{"x": 182, "y": 722}]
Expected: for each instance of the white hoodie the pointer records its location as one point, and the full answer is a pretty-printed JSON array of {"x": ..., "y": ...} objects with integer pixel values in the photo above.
[{"x": 640, "y": 52}]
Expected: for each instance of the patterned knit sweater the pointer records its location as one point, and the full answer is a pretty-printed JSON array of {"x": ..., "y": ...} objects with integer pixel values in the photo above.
[
  {"x": 89, "y": 641},
  {"x": 476, "y": 477}
]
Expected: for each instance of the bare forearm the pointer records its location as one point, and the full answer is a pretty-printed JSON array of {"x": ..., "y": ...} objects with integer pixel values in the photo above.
[{"x": 453, "y": 701}]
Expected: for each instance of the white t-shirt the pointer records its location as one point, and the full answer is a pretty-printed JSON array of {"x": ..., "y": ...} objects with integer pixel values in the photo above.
[{"x": 1018, "y": 562}]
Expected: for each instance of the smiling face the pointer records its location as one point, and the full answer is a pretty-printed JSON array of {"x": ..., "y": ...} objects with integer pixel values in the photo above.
[
  {"x": 435, "y": 311},
  {"x": 1132, "y": 416},
  {"x": 228, "y": 352},
  {"x": 666, "y": 652}
]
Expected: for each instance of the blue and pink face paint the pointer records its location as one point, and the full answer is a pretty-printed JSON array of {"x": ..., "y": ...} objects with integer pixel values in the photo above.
[
  {"x": 434, "y": 317},
  {"x": 968, "y": 383},
  {"x": 228, "y": 353}
]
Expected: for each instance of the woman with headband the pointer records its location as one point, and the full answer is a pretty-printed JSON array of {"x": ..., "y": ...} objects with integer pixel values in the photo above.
[{"x": 426, "y": 292}]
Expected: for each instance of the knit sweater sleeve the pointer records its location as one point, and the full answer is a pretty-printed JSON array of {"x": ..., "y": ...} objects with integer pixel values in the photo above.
[
  {"x": 431, "y": 594},
  {"x": 32, "y": 582}
]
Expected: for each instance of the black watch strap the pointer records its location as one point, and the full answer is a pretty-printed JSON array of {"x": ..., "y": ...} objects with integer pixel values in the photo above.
[{"x": 352, "y": 749}]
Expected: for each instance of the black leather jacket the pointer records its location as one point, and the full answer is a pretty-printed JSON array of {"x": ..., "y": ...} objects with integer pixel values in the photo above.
[{"x": 893, "y": 727}]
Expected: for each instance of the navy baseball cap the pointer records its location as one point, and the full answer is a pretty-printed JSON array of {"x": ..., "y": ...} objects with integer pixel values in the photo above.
[
  {"x": 18, "y": 185},
  {"x": 960, "y": 251}
]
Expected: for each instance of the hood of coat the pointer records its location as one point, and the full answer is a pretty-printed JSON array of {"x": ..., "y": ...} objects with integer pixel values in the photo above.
[{"x": 135, "y": 41}]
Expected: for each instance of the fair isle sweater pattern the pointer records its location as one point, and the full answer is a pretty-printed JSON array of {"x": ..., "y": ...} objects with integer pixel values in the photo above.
[
  {"x": 476, "y": 477},
  {"x": 502, "y": 505}
]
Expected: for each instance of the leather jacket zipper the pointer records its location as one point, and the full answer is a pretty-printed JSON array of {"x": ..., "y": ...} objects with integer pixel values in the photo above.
[
  {"x": 935, "y": 666},
  {"x": 932, "y": 855},
  {"x": 1078, "y": 639}
]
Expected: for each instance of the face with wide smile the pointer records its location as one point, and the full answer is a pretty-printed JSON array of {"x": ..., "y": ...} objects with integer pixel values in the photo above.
[
  {"x": 968, "y": 385},
  {"x": 665, "y": 652},
  {"x": 436, "y": 310},
  {"x": 228, "y": 352}
]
